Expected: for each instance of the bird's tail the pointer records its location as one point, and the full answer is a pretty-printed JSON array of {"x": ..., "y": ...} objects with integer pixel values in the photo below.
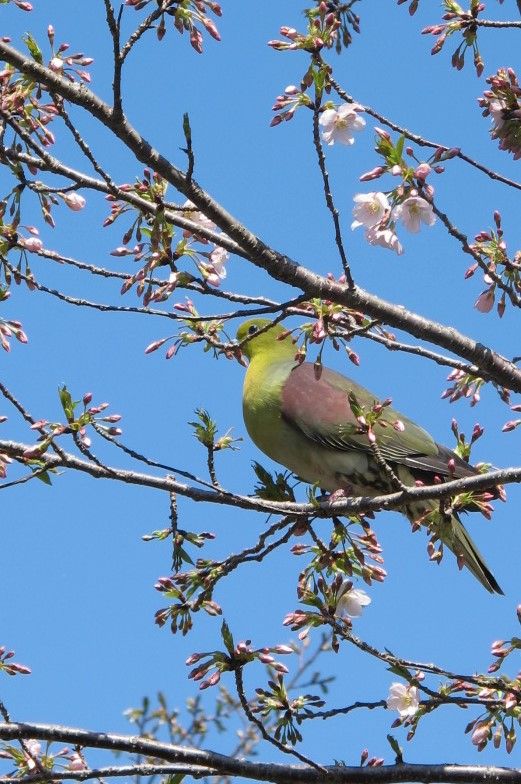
[{"x": 455, "y": 536}]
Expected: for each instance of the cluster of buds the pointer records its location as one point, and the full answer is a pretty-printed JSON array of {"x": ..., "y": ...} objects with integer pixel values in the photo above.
[
  {"x": 179, "y": 613},
  {"x": 348, "y": 554},
  {"x": 241, "y": 654},
  {"x": 186, "y": 16},
  {"x": 347, "y": 20},
  {"x": 235, "y": 656},
  {"x": 501, "y": 271},
  {"x": 70, "y": 66},
  {"x": 20, "y": 97},
  {"x": 287, "y": 104},
  {"x": 368, "y": 417},
  {"x": 464, "y": 385},
  {"x": 10, "y": 667},
  {"x": 322, "y": 31},
  {"x": 75, "y": 425},
  {"x": 493, "y": 728},
  {"x": 10, "y": 328},
  {"x": 502, "y": 102},
  {"x": 30, "y": 759},
  {"x": 159, "y": 250},
  {"x": 200, "y": 331},
  {"x": 458, "y": 20},
  {"x": 287, "y": 713},
  {"x": 512, "y": 423}
]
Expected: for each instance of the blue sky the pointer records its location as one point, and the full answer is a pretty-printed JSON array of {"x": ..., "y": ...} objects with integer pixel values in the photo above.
[{"x": 78, "y": 580}]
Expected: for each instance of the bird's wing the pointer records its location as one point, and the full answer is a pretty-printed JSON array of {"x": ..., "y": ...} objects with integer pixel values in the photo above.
[{"x": 318, "y": 406}]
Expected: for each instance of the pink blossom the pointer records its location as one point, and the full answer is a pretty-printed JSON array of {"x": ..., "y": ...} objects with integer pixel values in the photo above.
[
  {"x": 480, "y": 733},
  {"x": 76, "y": 762},
  {"x": 369, "y": 209},
  {"x": 386, "y": 238},
  {"x": 352, "y": 602},
  {"x": 339, "y": 124},
  {"x": 74, "y": 201},
  {"x": 413, "y": 212},
  {"x": 56, "y": 64},
  {"x": 485, "y": 301},
  {"x": 191, "y": 212},
  {"x": 33, "y": 244},
  {"x": 404, "y": 699}
]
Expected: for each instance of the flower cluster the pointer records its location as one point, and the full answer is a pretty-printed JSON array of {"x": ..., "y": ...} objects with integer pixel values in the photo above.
[
  {"x": 503, "y": 104},
  {"x": 155, "y": 247},
  {"x": 10, "y": 667},
  {"x": 501, "y": 271},
  {"x": 30, "y": 759},
  {"x": 68, "y": 65},
  {"x": 457, "y": 20},
  {"x": 287, "y": 104},
  {"x": 76, "y": 424},
  {"x": 10, "y": 328},
  {"x": 237, "y": 655},
  {"x": 323, "y": 26},
  {"x": 409, "y": 202},
  {"x": 186, "y": 16}
]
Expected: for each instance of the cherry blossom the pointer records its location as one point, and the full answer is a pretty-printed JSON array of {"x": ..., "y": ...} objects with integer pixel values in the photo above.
[
  {"x": 369, "y": 209},
  {"x": 485, "y": 301},
  {"x": 386, "y": 238},
  {"x": 33, "y": 244},
  {"x": 352, "y": 602},
  {"x": 191, "y": 212},
  {"x": 413, "y": 212},
  {"x": 339, "y": 124},
  {"x": 404, "y": 699},
  {"x": 74, "y": 201}
]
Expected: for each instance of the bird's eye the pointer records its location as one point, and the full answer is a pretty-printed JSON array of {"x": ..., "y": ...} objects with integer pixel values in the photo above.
[{"x": 252, "y": 329}]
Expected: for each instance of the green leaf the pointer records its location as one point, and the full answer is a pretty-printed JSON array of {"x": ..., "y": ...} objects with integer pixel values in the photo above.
[
  {"x": 205, "y": 429},
  {"x": 67, "y": 402},
  {"x": 33, "y": 47},
  {"x": 45, "y": 478},
  {"x": 272, "y": 488},
  {"x": 227, "y": 638},
  {"x": 399, "y": 146},
  {"x": 396, "y": 748}
]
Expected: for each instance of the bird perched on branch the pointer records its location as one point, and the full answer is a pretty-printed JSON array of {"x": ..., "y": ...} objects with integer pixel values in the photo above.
[{"x": 313, "y": 421}]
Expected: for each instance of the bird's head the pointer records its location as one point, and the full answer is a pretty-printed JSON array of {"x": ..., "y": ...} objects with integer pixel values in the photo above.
[{"x": 263, "y": 337}]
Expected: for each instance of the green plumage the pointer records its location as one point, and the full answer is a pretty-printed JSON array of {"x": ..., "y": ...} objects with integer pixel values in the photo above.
[{"x": 304, "y": 420}]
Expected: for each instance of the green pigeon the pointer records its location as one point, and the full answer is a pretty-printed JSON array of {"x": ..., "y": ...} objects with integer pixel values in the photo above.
[{"x": 303, "y": 419}]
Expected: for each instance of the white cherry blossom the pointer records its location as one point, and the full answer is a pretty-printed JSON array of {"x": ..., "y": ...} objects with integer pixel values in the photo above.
[
  {"x": 352, "y": 603},
  {"x": 413, "y": 212},
  {"x": 386, "y": 238},
  {"x": 404, "y": 699},
  {"x": 339, "y": 125},
  {"x": 370, "y": 209}
]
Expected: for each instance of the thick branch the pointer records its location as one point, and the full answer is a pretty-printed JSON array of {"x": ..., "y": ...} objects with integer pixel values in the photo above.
[
  {"x": 262, "y": 771},
  {"x": 276, "y": 264},
  {"x": 225, "y": 497}
]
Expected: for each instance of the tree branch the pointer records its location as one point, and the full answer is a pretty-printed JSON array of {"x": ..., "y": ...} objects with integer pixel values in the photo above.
[
  {"x": 276, "y": 264},
  {"x": 212, "y": 762}
]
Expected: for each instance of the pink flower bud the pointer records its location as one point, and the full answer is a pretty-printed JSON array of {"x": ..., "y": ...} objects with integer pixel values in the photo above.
[
  {"x": 485, "y": 301},
  {"x": 373, "y": 174},
  {"x": 422, "y": 171},
  {"x": 56, "y": 64},
  {"x": 33, "y": 244},
  {"x": 74, "y": 201}
]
